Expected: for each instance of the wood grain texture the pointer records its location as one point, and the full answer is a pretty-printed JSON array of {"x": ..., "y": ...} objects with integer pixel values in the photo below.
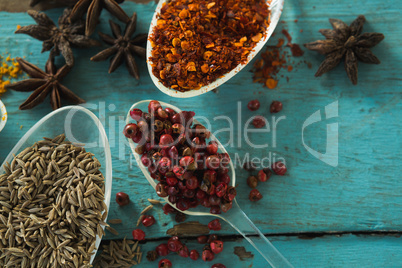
[
  {"x": 327, "y": 251},
  {"x": 363, "y": 193}
]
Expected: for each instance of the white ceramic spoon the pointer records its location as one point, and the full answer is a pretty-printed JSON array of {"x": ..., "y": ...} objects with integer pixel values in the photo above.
[
  {"x": 275, "y": 6},
  {"x": 235, "y": 216},
  {"x": 80, "y": 125}
]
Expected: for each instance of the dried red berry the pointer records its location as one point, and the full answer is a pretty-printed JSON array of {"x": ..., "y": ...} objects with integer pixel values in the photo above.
[
  {"x": 148, "y": 220},
  {"x": 218, "y": 265},
  {"x": 165, "y": 263},
  {"x": 194, "y": 255},
  {"x": 279, "y": 168},
  {"x": 212, "y": 147},
  {"x": 216, "y": 246},
  {"x": 184, "y": 252},
  {"x": 212, "y": 162},
  {"x": 215, "y": 209},
  {"x": 138, "y": 234},
  {"x": 262, "y": 176},
  {"x": 259, "y": 121},
  {"x": 212, "y": 238},
  {"x": 253, "y": 105},
  {"x": 255, "y": 195},
  {"x": 122, "y": 199},
  {"x": 162, "y": 250},
  {"x": 131, "y": 130},
  {"x": 166, "y": 141},
  {"x": 192, "y": 183},
  {"x": 202, "y": 239},
  {"x": 136, "y": 114},
  {"x": 174, "y": 244},
  {"x": 207, "y": 255},
  {"x": 210, "y": 175},
  {"x": 215, "y": 225},
  {"x": 276, "y": 107},
  {"x": 252, "y": 182},
  {"x": 167, "y": 209},
  {"x": 221, "y": 189},
  {"x": 153, "y": 106}
]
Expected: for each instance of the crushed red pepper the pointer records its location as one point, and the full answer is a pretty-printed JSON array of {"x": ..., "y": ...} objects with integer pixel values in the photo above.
[
  {"x": 195, "y": 42},
  {"x": 273, "y": 59}
]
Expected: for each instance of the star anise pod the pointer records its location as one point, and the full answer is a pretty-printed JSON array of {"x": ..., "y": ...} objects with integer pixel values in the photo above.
[
  {"x": 94, "y": 9},
  {"x": 123, "y": 46},
  {"x": 346, "y": 41},
  {"x": 33, "y": 3},
  {"x": 58, "y": 39},
  {"x": 43, "y": 83}
]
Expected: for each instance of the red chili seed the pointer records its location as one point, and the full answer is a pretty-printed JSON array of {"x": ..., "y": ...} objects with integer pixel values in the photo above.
[
  {"x": 279, "y": 168},
  {"x": 138, "y": 234},
  {"x": 276, "y": 107},
  {"x": 259, "y": 121},
  {"x": 253, "y": 105},
  {"x": 122, "y": 199},
  {"x": 215, "y": 225},
  {"x": 255, "y": 195}
]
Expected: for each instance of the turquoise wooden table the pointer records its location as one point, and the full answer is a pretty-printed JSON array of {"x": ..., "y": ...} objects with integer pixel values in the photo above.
[{"x": 346, "y": 214}]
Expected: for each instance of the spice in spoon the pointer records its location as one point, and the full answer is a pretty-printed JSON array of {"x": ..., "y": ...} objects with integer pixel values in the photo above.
[{"x": 195, "y": 43}]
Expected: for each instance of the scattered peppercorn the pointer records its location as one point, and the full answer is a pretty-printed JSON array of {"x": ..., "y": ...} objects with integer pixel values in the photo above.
[
  {"x": 194, "y": 255},
  {"x": 202, "y": 239},
  {"x": 276, "y": 107},
  {"x": 138, "y": 234},
  {"x": 262, "y": 176},
  {"x": 216, "y": 246},
  {"x": 218, "y": 265},
  {"x": 207, "y": 255},
  {"x": 253, "y": 105},
  {"x": 162, "y": 249},
  {"x": 215, "y": 225},
  {"x": 252, "y": 181},
  {"x": 279, "y": 168},
  {"x": 249, "y": 166},
  {"x": 255, "y": 195},
  {"x": 122, "y": 199},
  {"x": 165, "y": 263},
  {"x": 194, "y": 43},
  {"x": 148, "y": 220},
  {"x": 259, "y": 121}
]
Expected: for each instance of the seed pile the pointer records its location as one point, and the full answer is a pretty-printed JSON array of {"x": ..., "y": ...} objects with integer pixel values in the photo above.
[
  {"x": 119, "y": 254},
  {"x": 51, "y": 203}
]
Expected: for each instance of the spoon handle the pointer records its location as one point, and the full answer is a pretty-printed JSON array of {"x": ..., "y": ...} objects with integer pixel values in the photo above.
[{"x": 241, "y": 223}]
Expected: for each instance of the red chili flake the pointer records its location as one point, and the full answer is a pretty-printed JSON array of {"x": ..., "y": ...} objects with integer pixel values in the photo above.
[{"x": 196, "y": 42}]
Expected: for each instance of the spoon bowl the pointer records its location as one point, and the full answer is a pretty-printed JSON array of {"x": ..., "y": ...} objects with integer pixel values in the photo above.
[
  {"x": 3, "y": 115},
  {"x": 81, "y": 126},
  {"x": 235, "y": 216},
  {"x": 275, "y": 7}
]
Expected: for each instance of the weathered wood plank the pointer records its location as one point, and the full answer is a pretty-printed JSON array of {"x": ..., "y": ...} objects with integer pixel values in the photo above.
[
  {"x": 363, "y": 193},
  {"x": 327, "y": 251}
]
